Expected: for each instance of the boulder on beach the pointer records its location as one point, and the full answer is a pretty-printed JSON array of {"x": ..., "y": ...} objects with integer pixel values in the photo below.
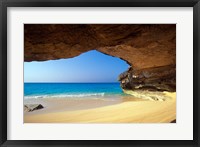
[{"x": 32, "y": 107}]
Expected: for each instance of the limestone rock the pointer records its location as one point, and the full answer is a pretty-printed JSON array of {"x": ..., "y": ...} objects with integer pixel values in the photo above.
[
  {"x": 142, "y": 46},
  {"x": 151, "y": 79}
]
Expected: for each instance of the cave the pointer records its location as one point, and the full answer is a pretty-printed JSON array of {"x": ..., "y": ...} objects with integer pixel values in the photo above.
[{"x": 149, "y": 49}]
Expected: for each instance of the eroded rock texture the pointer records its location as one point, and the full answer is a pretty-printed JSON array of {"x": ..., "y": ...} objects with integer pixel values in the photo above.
[
  {"x": 153, "y": 79},
  {"x": 149, "y": 49}
]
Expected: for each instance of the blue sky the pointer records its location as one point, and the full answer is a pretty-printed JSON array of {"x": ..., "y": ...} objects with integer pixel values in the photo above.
[{"x": 91, "y": 66}]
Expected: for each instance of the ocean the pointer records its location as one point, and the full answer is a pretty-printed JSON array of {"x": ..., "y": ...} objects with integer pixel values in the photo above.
[{"x": 72, "y": 90}]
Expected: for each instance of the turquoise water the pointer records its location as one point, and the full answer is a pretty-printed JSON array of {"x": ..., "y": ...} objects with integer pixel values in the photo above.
[{"x": 71, "y": 90}]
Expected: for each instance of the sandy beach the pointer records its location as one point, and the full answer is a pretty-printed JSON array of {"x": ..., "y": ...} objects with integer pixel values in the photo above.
[{"x": 99, "y": 111}]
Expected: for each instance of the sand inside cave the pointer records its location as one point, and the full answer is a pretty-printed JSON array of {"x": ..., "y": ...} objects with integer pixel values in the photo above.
[{"x": 129, "y": 110}]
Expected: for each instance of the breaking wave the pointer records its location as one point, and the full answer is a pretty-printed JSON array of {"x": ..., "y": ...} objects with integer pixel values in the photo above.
[{"x": 66, "y": 95}]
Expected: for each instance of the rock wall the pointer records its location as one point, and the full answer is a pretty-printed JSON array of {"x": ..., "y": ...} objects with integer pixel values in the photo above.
[
  {"x": 150, "y": 50},
  {"x": 153, "y": 79}
]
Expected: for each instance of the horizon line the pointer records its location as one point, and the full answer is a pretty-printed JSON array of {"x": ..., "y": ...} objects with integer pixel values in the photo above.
[{"x": 72, "y": 82}]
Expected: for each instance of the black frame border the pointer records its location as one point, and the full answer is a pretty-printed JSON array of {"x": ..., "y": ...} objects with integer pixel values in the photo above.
[{"x": 98, "y": 3}]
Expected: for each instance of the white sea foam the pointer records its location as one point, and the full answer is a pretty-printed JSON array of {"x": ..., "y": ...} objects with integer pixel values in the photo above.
[{"x": 66, "y": 95}]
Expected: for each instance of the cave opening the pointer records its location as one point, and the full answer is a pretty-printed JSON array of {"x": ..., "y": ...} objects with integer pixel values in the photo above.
[
  {"x": 90, "y": 74},
  {"x": 149, "y": 50}
]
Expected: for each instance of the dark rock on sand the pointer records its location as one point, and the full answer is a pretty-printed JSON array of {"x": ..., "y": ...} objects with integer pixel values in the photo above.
[
  {"x": 32, "y": 107},
  {"x": 174, "y": 121}
]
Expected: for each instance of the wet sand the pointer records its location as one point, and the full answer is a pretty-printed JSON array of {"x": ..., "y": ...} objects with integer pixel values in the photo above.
[{"x": 128, "y": 110}]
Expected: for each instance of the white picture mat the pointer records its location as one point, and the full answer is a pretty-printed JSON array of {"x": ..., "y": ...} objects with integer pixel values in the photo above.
[{"x": 182, "y": 130}]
